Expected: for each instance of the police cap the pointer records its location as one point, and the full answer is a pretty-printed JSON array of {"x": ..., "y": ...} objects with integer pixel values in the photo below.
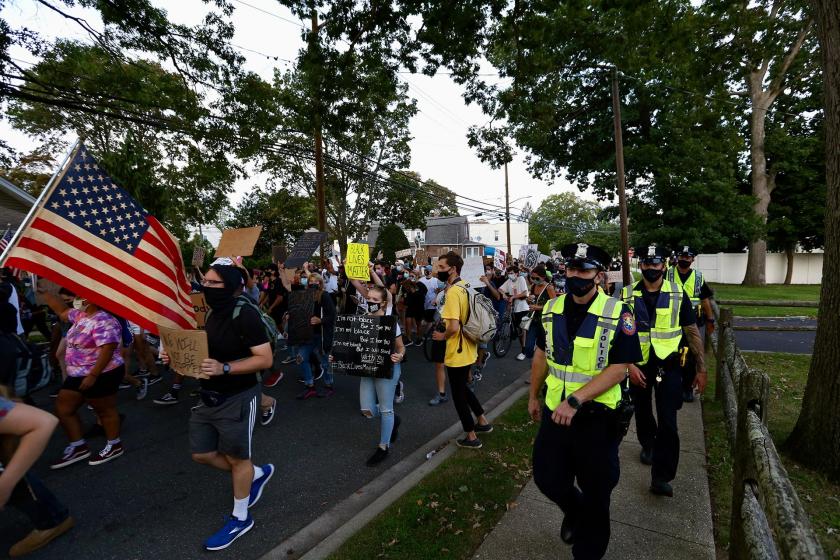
[
  {"x": 654, "y": 255},
  {"x": 686, "y": 251},
  {"x": 583, "y": 256}
]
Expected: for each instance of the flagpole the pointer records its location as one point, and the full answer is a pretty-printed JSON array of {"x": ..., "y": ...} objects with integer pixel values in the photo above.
[{"x": 44, "y": 194}]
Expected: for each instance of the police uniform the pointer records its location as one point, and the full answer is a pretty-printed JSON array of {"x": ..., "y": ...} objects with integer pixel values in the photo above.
[
  {"x": 579, "y": 341},
  {"x": 660, "y": 317},
  {"x": 697, "y": 290}
]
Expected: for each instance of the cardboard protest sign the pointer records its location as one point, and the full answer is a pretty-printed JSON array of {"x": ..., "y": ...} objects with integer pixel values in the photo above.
[
  {"x": 301, "y": 309},
  {"x": 523, "y": 252},
  {"x": 304, "y": 247},
  {"x": 614, "y": 276},
  {"x": 198, "y": 256},
  {"x": 402, "y": 254},
  {"x": 356, "y": 266},
  {"x": 421, "y": 258},
  {"x": 238, "y": 242},
  {"x": 500, "y": 260},
  {"x": 278, "y": 253},
  {"x": 544, "y": 258},
  {"x": 186, "y": 350},
  {"x": 200, "y": 308},
  {"x": 363, "y": 345},
  {"x": 472, "y": 271}
]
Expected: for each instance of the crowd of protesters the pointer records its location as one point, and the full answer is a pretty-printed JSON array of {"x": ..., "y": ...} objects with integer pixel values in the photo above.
[{"x": 96, "y": 353}]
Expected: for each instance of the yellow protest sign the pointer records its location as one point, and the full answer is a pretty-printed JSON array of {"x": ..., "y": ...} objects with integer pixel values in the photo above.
[{"x": 356, "y": 266}]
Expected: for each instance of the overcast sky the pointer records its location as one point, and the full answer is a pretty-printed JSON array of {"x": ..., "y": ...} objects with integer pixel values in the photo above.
[{"x": 438, "y": 150}]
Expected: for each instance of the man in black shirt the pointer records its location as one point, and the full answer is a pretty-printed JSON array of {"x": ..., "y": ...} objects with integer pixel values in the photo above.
[
  {"x": 221, "y": 430},
  {"x": 585, "y": 342},
  {"x": 664, "y": 315}
]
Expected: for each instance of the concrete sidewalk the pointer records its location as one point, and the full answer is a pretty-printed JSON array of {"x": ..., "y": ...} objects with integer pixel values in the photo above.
[{"x": 644, "y": 526}]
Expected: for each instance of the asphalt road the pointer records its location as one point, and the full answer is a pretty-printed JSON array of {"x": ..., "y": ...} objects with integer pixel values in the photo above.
[
  {"x": 154, "y": 502},
  {"x": 794, "y": 342}
]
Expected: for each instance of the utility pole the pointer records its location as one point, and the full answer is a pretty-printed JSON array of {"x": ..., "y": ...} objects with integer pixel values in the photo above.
[
  {"x": 507, "y": 213},
  {"x": 622, "y": 196},
  {"x": 319, "y": 152}
]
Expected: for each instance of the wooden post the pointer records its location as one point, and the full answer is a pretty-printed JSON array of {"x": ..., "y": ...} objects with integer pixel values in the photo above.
[
  {"x": 724, "y": 323},
  {"x": 619, "y": 179},
  {"x": 507, "y": 215},
  {"x": 320, "y": 196}
]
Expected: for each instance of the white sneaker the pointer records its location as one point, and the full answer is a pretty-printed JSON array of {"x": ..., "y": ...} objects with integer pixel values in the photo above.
[
  {"x": 400, "y": 396},
  {"x": 520, "y": 357},
  {"x": 143, "y": 389}
]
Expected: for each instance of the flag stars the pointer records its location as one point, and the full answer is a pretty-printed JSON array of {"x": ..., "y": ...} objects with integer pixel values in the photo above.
[
  {"x": 113, "y": 230},
  {"x": 88, "y": 224},
  {"x": 109, "y": 221},
  {"x": 90, "y": 178},
  {"x": 63, "y": 192},
  {"x": 71, "y": 214},
  {"x": 87, "y": 166},
  {"x": 103, "y": 232},
  {"x": 70, "y": 179},
  {"x": 78, "y": 202},
  {"x": 130, "y": 246},
  {"x": 55, "y": 205},
  {"x": 109, "y": 198},
  {"x": 135, "y": 234},
  {"x": 77, "y": 167},
  {"x": 95, "y": 188},
  {"x": 100, "y": 177},
  {"x": 98, "y": 222},
  {"x": 67, "y": 204},
  {"x": 94, "y": 211}
]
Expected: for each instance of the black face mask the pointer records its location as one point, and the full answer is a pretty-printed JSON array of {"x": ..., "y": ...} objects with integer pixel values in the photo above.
[
  {"x": 684, "y": 264},
  {"x": 443, "y": 276},
  {"x": 218, "y": 298},
  {"x": 579, "y": 286},
  {"x": 374, "y": 307},
  {"x": 652, "y": 274}
]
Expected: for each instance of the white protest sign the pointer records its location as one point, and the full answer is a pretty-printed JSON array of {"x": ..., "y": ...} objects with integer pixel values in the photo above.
[{"x": 472, "y": 271}]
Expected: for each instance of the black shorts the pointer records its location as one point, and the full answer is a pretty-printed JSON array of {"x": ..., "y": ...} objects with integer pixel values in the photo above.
[
  {"x": 415, "y": 313},
  {"x": 438, "y": 351},
  {"x": 429, "y": 315},
  {"x": 106, "y": 385}
]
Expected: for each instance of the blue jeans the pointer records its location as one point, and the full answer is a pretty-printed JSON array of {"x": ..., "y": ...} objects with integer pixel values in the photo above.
[
  {"x": 500, "y": 305},
  {"x": 303, "y": 353},
  {"x": 372, "y": 390},
  {"x": 531, "y": 338},
  {"x": 43, "y": 509}
]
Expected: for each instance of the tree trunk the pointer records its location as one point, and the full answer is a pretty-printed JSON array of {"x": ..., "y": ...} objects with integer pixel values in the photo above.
[
  {"x": 815, "y": 440},
  {"x": 789, "y": 254},
  {"x": 757, "y": 258}
]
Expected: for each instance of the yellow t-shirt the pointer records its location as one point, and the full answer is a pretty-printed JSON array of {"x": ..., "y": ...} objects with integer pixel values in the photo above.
[{"x": 456, "y": 306}]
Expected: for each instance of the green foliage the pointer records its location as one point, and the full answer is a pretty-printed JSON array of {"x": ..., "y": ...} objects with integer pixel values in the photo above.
[
  {"x": 32, "y": 171},
  {"x": 283, "y": 215},
  {"x": 391, "y": 239},
  {"x": 566, "y": 218}
]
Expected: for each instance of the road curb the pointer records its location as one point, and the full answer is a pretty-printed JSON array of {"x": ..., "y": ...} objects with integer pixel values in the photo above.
[{"x": 327, "y": 533}]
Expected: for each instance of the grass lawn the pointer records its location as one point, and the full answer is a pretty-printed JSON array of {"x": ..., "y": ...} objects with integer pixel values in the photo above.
[
  {"x": 820, "y": 497},
  {"x": 448, "y": 514},
  {"x": 797, "y": 292}
]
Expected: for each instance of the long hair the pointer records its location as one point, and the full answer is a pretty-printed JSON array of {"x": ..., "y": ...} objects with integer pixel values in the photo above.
[{"x": 315, "y": 277}]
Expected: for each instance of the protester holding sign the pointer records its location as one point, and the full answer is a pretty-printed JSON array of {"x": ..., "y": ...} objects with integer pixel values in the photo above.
[
  {"x": 94, "y": 371},
  {"x": 515, "y": 290},
  {"x": 322, "y": 320},
  {"x": 221, "y": 430}
]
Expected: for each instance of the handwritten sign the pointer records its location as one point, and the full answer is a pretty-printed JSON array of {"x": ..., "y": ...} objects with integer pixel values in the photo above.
[
  {"x": 306, "y": 244},
  {"x": 198, "y": 256},
  {"x": 363, "y": 345},
  {"x": 472, "y": 271},
  {"x": 239, "y": 242},
  {"x": 421, "y": 257},
  {"x": 614, "y": 276},
  {"x": 186, "y": 350},
  {"x": 301, "y": 310},
  {"x": 402, "y": 254},
  {"x": 356, "y": 266},
  {"x": 500, "y": 260},
  {"x": 200, "y": 308}
]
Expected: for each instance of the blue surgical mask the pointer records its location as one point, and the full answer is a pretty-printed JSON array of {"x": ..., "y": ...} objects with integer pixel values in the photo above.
[
  {"x": 522, "y": 274},
  {"x": 304, "y": 281}
]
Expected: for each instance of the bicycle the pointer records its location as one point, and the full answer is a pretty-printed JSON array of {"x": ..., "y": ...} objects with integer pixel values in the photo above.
[{"x": 504, "y": 334}]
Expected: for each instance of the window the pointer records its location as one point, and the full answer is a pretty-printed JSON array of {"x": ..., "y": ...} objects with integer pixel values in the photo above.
[
  {"x": 472, "y": 251},
  {"x": 496, "y": 235}
]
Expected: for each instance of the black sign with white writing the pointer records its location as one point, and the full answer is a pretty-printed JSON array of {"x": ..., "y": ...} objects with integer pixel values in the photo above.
[
  {"x": 363, "y": 345},
  {"x": 306, "y": 244},
  {"x": 301, "y": 308}
]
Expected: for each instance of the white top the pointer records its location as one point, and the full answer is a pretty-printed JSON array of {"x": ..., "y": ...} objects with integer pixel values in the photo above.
[
  {"x": 13, "y": 299},
  {"x": 515, "y": 288},
  {"x": 431, "y": 284},
  {"x": 330, "y": 281}
]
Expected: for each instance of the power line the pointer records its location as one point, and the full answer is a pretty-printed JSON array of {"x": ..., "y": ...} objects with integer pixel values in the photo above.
[{"x": 278, "y": 16}]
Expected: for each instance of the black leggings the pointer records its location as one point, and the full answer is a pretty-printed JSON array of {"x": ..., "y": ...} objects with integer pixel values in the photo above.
[{"x": 463, "y": 398}]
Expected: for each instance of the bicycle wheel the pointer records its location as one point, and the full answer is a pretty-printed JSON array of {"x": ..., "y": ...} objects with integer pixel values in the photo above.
[{"x": 502, "y": 340}]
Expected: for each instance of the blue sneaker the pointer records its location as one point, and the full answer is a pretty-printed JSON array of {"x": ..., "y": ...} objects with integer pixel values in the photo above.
[
  {"x": 232, "y": 530},
  {"x": 258, "y": 485}
]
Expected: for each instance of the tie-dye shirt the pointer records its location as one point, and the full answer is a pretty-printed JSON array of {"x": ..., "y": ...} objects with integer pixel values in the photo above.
[
  {"x": 85, "y": 337},
  {"x": 6, "y": 406}
]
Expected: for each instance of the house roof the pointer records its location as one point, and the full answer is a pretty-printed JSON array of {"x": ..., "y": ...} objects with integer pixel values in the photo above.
[{"x": 13, "y": 191}]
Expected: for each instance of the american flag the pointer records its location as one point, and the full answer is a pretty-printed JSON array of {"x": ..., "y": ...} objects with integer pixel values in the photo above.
[{"x": 92, "y": 237}]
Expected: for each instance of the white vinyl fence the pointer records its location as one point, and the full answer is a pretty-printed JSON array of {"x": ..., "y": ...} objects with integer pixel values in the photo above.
[{"x": 729, "y": 268}]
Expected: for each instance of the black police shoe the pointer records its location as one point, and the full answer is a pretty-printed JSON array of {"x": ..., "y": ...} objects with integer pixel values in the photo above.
[
  {"x": 661, "y": 488},
  {"x": 567, "y": 530},
  {"x": 646, "y": 456}
]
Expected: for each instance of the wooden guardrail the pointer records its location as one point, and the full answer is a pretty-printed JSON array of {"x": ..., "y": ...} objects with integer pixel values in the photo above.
[
  {"x": 768, "y": 520},
  {"x": 768, "y": 303}
]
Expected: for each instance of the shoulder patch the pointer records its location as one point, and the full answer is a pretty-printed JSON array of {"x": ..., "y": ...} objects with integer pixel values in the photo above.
[{"x": 628, "y": 324}]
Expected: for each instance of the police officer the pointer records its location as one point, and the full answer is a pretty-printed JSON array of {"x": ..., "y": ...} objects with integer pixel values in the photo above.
[
  {"x": 692, "y": 282},
  {"x": 664, "y": 314},
  {"x": 585, "y": 343}
]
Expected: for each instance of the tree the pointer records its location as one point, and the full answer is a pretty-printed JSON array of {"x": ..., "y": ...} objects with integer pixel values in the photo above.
[
  {"x": 283, "y": 215},
  {"x": 816, "y": 437},
  {"x": 32, "y": 171},
  {"x": 566, "y": 218},
  {"x": 177, "y": 178},
  {"x": 526, "y": 212},
  {"x": 391, "y": 239}
]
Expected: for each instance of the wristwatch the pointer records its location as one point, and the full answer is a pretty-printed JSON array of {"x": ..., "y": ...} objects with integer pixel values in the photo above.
[
  {"x": 573, "y": 402},
  {"x": 225, "y": 369}
]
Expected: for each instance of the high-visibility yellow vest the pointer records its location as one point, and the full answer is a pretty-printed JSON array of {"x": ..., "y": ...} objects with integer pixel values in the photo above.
[
  {"x": 691, "y": 286},
  {"x": 662, "y": 331},
  {"x": 572, "y": 364}
]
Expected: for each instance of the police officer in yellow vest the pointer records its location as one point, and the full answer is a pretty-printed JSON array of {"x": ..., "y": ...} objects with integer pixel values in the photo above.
[
  {"x": 694, "y": 285},
  {"x": 663, "y": 314},
  {"x": 585, "y": 343}
]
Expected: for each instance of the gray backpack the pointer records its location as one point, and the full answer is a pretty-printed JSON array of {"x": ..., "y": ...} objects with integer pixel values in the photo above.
[{"x": 482, "y": 318}]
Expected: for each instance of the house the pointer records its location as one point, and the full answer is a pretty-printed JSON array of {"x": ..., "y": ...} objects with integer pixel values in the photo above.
[
  {"x": 450, "y": 234},
  {"x": 14, "y": 205},
  {"x": 495, "y": 234}
]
